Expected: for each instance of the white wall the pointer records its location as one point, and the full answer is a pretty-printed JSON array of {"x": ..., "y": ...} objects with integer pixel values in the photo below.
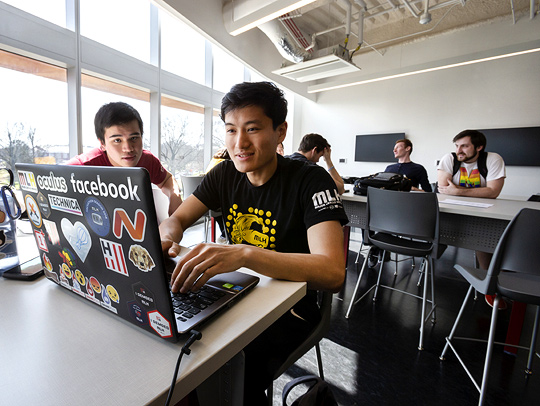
[{"x": 431, "y": 108}]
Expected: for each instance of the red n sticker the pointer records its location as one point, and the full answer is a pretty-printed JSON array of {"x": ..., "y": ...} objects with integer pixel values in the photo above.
[{"x": 135, "y": 231}]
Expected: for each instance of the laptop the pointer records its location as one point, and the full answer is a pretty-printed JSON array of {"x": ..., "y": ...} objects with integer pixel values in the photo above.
[{"x": 97, "y": 233}]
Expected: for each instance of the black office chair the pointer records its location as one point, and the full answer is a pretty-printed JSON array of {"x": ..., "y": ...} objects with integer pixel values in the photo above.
[
  {"x": 325, "y": 304},
  {"x": 514, "y": 272},
  {"x": 405, "y": 223}
]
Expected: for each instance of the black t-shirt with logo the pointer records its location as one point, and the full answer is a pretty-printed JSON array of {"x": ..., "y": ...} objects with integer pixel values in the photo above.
[{"x": 277, "y": 214}]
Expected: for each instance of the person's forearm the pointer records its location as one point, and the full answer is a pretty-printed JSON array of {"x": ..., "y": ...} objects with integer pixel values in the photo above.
[
  {"x": 483, "y": 192},
  {"x": 319, "y": 271},
  {"x": 171, "y": 229}
]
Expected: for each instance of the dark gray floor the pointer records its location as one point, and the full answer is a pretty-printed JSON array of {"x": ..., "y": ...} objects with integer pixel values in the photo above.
[{"x": 372, "y": 358}]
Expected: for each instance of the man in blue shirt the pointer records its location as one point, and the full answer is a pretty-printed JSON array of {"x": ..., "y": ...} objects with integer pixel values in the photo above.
[{"x": 415, "y": 172}]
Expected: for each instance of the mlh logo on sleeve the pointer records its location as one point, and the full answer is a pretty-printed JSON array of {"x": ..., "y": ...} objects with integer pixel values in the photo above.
[{"x": 135, "y": 231}]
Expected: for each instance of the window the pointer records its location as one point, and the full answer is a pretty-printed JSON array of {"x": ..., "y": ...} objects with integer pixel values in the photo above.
[
  {"x": 182, "y": 49},
  {"x": 227, "y": 70},
  {"x": 182, "y": 137},
  {"x": 123, "y": 25},
  {"x": 97, "y": 92},
  {"x": 33, "y": 126},
  {"x": 218, "y": 132},
  {"x": 53, "y": 11}
]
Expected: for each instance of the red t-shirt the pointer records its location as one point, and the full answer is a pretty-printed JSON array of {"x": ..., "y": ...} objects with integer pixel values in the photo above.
[{"x": 98, "y": 157}]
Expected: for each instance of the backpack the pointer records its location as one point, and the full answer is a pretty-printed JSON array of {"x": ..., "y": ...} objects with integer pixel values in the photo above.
[
  {"x": 318, "y": 393},
  {"x": 482, "y": 166},
  {"x": 382, "y": 180}
]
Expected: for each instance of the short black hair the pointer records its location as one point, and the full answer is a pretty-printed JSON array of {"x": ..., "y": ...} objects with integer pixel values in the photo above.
[
  {"x": 115, "y": 113},
  {"x": 312, "y": 140},
  {"x": 477, "y": 138},
  {"x": 265, "y": 95}
]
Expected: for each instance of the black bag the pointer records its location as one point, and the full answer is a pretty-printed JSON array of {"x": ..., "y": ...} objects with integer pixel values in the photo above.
[
  {"x": 318, "y": 394},
  {"x": 382, "y": 180}
]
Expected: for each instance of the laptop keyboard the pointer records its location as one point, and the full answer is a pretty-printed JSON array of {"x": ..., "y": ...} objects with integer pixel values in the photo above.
[{"x": 191, "y": 304}]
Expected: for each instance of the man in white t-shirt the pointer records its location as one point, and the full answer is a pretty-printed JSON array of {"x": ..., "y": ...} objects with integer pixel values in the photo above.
[
  {"x": 480, "y": 174},
  {"x": 471, "y": 179}
]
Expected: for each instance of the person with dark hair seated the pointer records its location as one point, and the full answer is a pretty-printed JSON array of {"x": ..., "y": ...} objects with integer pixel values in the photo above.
[
  {"x": 472, "y": 172},
  {"x": 415, "y": 172},
  {"x": 314, "y": 146},
  {"x": 119, "y": 129},
  {"x": 283, "y": 220}
]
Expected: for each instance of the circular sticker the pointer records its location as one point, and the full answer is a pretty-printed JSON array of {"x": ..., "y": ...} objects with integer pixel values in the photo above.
[
  {"x": 66, "y": 271},
  {"x": 95, "y": 284},
  {"x": 113, "y": 294},
  {"x": 80, "y": 277},
  {"x": 33, "y": 210},
  {"x": 97, "y": 216}
]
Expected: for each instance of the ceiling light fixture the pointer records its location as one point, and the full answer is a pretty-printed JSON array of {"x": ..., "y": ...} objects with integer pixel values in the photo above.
[
  {"x": 329, "y": 86},
  {"x": 240, "y": 16}
]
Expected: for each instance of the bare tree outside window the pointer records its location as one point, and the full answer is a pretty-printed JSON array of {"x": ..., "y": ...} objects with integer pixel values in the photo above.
[{"x": 179, "y": 153}]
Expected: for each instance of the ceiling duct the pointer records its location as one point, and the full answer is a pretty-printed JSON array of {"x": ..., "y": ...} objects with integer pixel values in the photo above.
[
  {"x": 285, "y": 43},
  {"x": 317, "y": 68}
]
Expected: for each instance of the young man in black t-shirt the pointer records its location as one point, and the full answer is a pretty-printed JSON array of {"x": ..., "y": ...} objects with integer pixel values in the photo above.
[{"x": 290, "y": 210}]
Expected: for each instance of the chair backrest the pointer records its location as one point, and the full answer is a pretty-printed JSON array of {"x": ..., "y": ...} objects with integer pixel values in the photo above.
[
  {"x": 409, "y": 214},
  {"x": 189, "y": 184},
  {"x": 518, "y": 249}
]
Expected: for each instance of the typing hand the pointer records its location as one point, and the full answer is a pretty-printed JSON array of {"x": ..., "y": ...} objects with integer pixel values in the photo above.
[{"x": 203, "y": 262}]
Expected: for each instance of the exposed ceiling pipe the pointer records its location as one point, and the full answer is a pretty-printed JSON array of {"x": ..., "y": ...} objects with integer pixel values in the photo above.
[
  {"x": 348, "y": 6},
  {"x": 425, "y": 18},
  {"x": 363, "y": 8},
  {"x": 409, "y": 7}
]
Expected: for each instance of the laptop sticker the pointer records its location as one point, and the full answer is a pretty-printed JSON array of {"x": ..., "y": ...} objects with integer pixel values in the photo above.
[
  {"x": 33, "y": 211},
  {"x": 52, "y": 232},
  {"x": 113, "y": 294},
  {"x": 96, "y": 216},
  {"x": 114, "y": 256},
  {"x": 90, "y": 294},
  {"x": 47, "y": 262},
  {"x": 160, "y": 324},
  {"x": 77, "y": 287},
  {"x": 141, "y": 258},
  {"x": 43, "y": 205},
  {"x": 80, "y": 277},
  {"x": 137, "y": 313},
  {"x": 66, "y": 271},
  {"x": 95, "y": 284},
  {"x": 144, "y": 296},
  {"x": 65, "y": 204},
  {"x": 78, "y": 237},
  {"x": 41, "y": 240},
  {"x": 68, "y": 257},
  {"x": 135, "y": 230},
  {"x": 63, "y": 280},
  {"x": 27, "y": 180},
  {"x": 51, "y": 275}
]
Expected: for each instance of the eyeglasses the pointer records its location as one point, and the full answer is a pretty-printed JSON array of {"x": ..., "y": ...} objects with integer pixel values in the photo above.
[{"x": 11, "y": 204}]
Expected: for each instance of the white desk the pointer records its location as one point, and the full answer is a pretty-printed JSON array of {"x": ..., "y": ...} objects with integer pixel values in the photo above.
[
  {"x": 460, "y": 226},
  {"x": 58, "y": 349}
]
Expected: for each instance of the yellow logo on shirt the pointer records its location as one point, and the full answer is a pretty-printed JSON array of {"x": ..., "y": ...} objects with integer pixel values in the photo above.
[{"x": 256, "y": 227}]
